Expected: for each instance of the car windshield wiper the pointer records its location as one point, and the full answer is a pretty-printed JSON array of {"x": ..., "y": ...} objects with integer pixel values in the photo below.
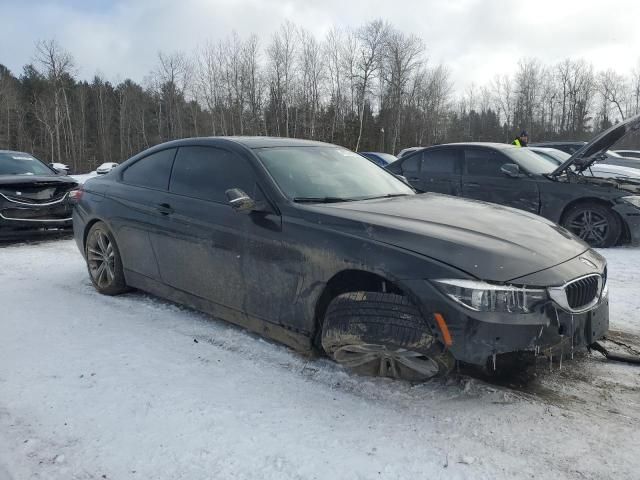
[
  {"x": 388, "y": 195},
  {"x": 322, "y": 199}
]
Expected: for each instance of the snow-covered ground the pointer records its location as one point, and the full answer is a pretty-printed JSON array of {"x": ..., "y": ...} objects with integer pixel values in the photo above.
[{"x": 133, "y": 387}]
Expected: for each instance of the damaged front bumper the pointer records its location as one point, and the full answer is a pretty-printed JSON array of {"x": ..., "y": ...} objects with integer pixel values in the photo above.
[
  {"x": 16, "y": 217},
  {"x": 561, "y": 334},
  {"x": 477, "y": 337}
]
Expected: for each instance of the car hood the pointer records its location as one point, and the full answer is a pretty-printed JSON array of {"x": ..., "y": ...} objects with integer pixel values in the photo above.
[
  {"x": 626, "y": 184},
  {"x": 488, "y": 241},
  {"x": 597, "y": 147}
]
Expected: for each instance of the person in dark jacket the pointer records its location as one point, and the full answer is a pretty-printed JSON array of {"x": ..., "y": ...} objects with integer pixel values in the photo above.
[{"x": 522, "y": 140}]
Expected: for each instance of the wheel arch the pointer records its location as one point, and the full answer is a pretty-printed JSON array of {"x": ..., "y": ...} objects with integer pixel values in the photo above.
[
  {"x": 625, "y": 234},
  {"x": 350, "y": 280},
  {"x": 582, "y": 200},
  {"x": 87, "y": 229}
]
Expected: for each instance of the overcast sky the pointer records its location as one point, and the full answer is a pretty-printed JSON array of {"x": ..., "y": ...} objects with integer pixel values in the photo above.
[{"x": 475, "y": 39}]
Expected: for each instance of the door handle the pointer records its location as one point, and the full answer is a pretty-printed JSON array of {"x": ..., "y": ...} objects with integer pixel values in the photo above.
[
  {"x": 164, "y": 208},
  {"x": 471, "y": 184}
]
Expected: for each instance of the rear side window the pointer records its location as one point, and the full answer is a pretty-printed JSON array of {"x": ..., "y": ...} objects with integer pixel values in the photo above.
[
  {"x": 207, "y": 173},
  {"x": 412, "y": 164},
  {"x": 484, "y": 162},
  {"x": 152, "y": 171},
  {"x": 445, "y": 160}
]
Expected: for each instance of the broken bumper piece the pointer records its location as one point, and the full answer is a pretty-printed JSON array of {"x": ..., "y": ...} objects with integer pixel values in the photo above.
[{"x": 476, "y": 337}]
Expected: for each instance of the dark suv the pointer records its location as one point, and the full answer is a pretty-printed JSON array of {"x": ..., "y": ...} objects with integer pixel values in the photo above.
[{"x": 603, "y": 212}]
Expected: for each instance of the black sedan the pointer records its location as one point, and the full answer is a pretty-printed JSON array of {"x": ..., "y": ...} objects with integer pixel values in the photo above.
[
  {"x": 33, "y": 196},
  {"x": 601, "y": 211},
  {"x": 315, "y": 246}
]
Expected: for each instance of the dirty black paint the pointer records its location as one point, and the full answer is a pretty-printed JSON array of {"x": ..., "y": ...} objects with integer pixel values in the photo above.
[{"x": 267, "y": 270}]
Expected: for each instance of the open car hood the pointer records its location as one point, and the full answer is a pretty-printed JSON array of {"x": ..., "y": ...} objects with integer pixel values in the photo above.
[{"x": 597, "y": 147}]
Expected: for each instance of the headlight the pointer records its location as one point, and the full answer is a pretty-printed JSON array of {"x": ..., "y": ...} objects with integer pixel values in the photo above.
[
  {"x": 485, "y": 297},
  {"x": 633, "y": 200}
]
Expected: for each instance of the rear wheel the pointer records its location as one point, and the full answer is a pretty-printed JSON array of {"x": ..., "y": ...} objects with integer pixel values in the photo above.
[
  {"x": 104, "y": 261},
  {"x": 383, "y": 334},
  {"x": 596, "y": 224}
]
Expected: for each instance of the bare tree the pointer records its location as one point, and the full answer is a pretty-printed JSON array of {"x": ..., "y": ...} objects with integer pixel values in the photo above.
[
  {"x": 613, "y": 88},
  {"x": 371, "y": 41},
  {"x": 403, "y": 57},
  {"x": 57, "y": 64},
  {"x": 281, "y": 53}
]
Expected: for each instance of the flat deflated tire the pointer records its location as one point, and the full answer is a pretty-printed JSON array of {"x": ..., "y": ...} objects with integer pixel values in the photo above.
[{"x": 383, "y": 334}]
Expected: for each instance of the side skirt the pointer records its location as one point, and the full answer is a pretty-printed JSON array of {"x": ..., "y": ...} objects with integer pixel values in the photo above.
[{"x": 296, "y": 340}]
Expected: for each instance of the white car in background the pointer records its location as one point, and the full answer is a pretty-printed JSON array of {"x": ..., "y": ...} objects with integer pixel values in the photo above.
[
  {"x": 106, "y": 167},
  {"x": 628, "y": 153},
  {"x": 601, "y": 170},
  {"x": 60, "y": 167}
]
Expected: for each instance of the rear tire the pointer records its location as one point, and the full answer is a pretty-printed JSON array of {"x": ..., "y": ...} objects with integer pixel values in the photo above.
[
  {"x": 104, "y": 262},
  {"x": 383, "y": 334},
  {"x": 594, "y": 223}
]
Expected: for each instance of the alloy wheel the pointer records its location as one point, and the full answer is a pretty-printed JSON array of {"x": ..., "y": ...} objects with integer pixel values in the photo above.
[
  {"x": 385, "y": 362},
  {"x": 101, "y": 259},
  {"x": 590, "y": 226}
]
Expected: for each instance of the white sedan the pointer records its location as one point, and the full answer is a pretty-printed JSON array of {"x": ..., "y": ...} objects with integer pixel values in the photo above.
[
  {"x": 106, "y": 168},
  {"x": 602, "y": 170}
]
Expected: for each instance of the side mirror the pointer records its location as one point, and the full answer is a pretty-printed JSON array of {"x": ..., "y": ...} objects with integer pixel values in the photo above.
[
  {"x": 510, "y": 170},
  {"x": 61, "y": 171},
  {"x": 402, "y": 178},
  {"x": 240, "y": 201}
]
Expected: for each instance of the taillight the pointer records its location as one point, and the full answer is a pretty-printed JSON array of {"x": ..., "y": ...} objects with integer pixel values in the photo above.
[{"x": 75, "y": 194}]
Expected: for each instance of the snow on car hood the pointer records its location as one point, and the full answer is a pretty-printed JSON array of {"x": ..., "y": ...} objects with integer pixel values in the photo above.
[{"x": 488, "y": 241}]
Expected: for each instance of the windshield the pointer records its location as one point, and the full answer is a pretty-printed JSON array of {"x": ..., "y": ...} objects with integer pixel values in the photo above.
[
  {"x": 15, "y": 163},
  {"x": 328, "y": 174},
  {"x": 531, "y": 162}
]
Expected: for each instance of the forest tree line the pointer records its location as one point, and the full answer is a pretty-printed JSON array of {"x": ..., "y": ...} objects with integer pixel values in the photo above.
[{"x": 367, "y": 88}]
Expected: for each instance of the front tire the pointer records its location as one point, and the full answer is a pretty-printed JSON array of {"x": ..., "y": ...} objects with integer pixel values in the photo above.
[
  {"x": 383, "y": 334},
  {"x": 104, "y": 262},
  {"x": 596, "y": 224}
]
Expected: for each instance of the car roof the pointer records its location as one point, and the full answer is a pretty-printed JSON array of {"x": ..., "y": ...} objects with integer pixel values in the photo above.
[
  {"x": 266, "y": 142},
  {"x": 544, "y": 149},
  {"x": 478, "y": 144},
  {"x": 15, "y": 151}
]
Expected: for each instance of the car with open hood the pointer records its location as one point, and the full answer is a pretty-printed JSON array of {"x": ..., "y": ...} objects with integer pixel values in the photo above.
[
  {"x": 608, "y": 157},
  {"x": 601, "y": 211},
  {"x": 33, "y": 196},
  {"x": 315, "y": 246},
  {"x": 596, "y": 169}
]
